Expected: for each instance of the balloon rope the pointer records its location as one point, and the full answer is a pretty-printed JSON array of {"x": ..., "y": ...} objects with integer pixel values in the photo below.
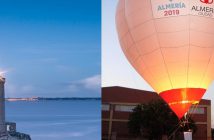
[
  {"x": 187, "y": 121},
  {"x": 189, "y": 115},
  {"x": 195, "y": 106}
]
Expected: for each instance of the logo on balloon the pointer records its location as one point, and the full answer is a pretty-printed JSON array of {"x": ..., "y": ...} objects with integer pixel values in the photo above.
[{"x": 207, "y": 1}]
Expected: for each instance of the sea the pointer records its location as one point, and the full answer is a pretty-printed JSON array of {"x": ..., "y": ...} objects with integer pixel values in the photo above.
[{"x": 57, "y": 119}]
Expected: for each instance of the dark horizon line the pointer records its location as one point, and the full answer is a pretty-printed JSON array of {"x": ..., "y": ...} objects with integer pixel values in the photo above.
[{"x": 45, "y": 97}]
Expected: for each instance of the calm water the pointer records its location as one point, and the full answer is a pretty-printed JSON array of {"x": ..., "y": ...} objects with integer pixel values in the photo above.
[{"x": 57, "y": 120}]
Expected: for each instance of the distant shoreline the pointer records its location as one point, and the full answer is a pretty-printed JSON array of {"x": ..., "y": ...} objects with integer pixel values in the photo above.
[{"x": 52, "y": 99}]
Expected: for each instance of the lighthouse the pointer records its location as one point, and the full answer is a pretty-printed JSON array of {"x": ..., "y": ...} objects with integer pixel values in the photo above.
[
  {"x": 8, "y": 128},
  {"x": 3, "y": 130}
]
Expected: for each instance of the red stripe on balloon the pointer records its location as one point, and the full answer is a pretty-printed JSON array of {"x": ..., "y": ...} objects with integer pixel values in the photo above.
[{"x": 181, "y": 99}]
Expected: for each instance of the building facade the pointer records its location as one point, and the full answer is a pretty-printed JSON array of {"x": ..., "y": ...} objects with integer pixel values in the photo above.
[{"x": 118, "y": 102}]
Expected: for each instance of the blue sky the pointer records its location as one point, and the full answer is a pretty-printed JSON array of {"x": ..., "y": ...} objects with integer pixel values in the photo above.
[{"x": 51, "y": 48}]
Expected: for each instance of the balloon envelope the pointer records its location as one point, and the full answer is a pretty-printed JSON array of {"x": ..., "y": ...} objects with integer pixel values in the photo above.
[{"x": 170, "y": 43}]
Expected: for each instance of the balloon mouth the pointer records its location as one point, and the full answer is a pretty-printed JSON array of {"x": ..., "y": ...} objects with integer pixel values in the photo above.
[{"x": 181, "y": 99}]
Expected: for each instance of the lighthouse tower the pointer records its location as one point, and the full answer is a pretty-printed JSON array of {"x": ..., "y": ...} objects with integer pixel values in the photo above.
[
  {"x": 3, "y": 130},
  {"x": 7, "y": 128}
]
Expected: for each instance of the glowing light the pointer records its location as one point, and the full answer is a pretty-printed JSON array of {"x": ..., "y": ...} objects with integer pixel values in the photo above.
[
  {"x": 184, "y": 102},
  {"x": 3, "y": 72},
  {"x": 2, "y": 75}
]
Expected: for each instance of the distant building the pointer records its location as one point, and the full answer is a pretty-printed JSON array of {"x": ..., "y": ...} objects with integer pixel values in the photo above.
[{"x": 118, "y": 102}]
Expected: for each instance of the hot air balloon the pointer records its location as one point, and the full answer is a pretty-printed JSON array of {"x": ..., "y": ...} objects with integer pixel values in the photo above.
[{"x": 170, "y": 43}]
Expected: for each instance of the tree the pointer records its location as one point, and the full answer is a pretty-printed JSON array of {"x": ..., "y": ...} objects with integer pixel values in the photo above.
[{"x": 155, "y": 119}]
